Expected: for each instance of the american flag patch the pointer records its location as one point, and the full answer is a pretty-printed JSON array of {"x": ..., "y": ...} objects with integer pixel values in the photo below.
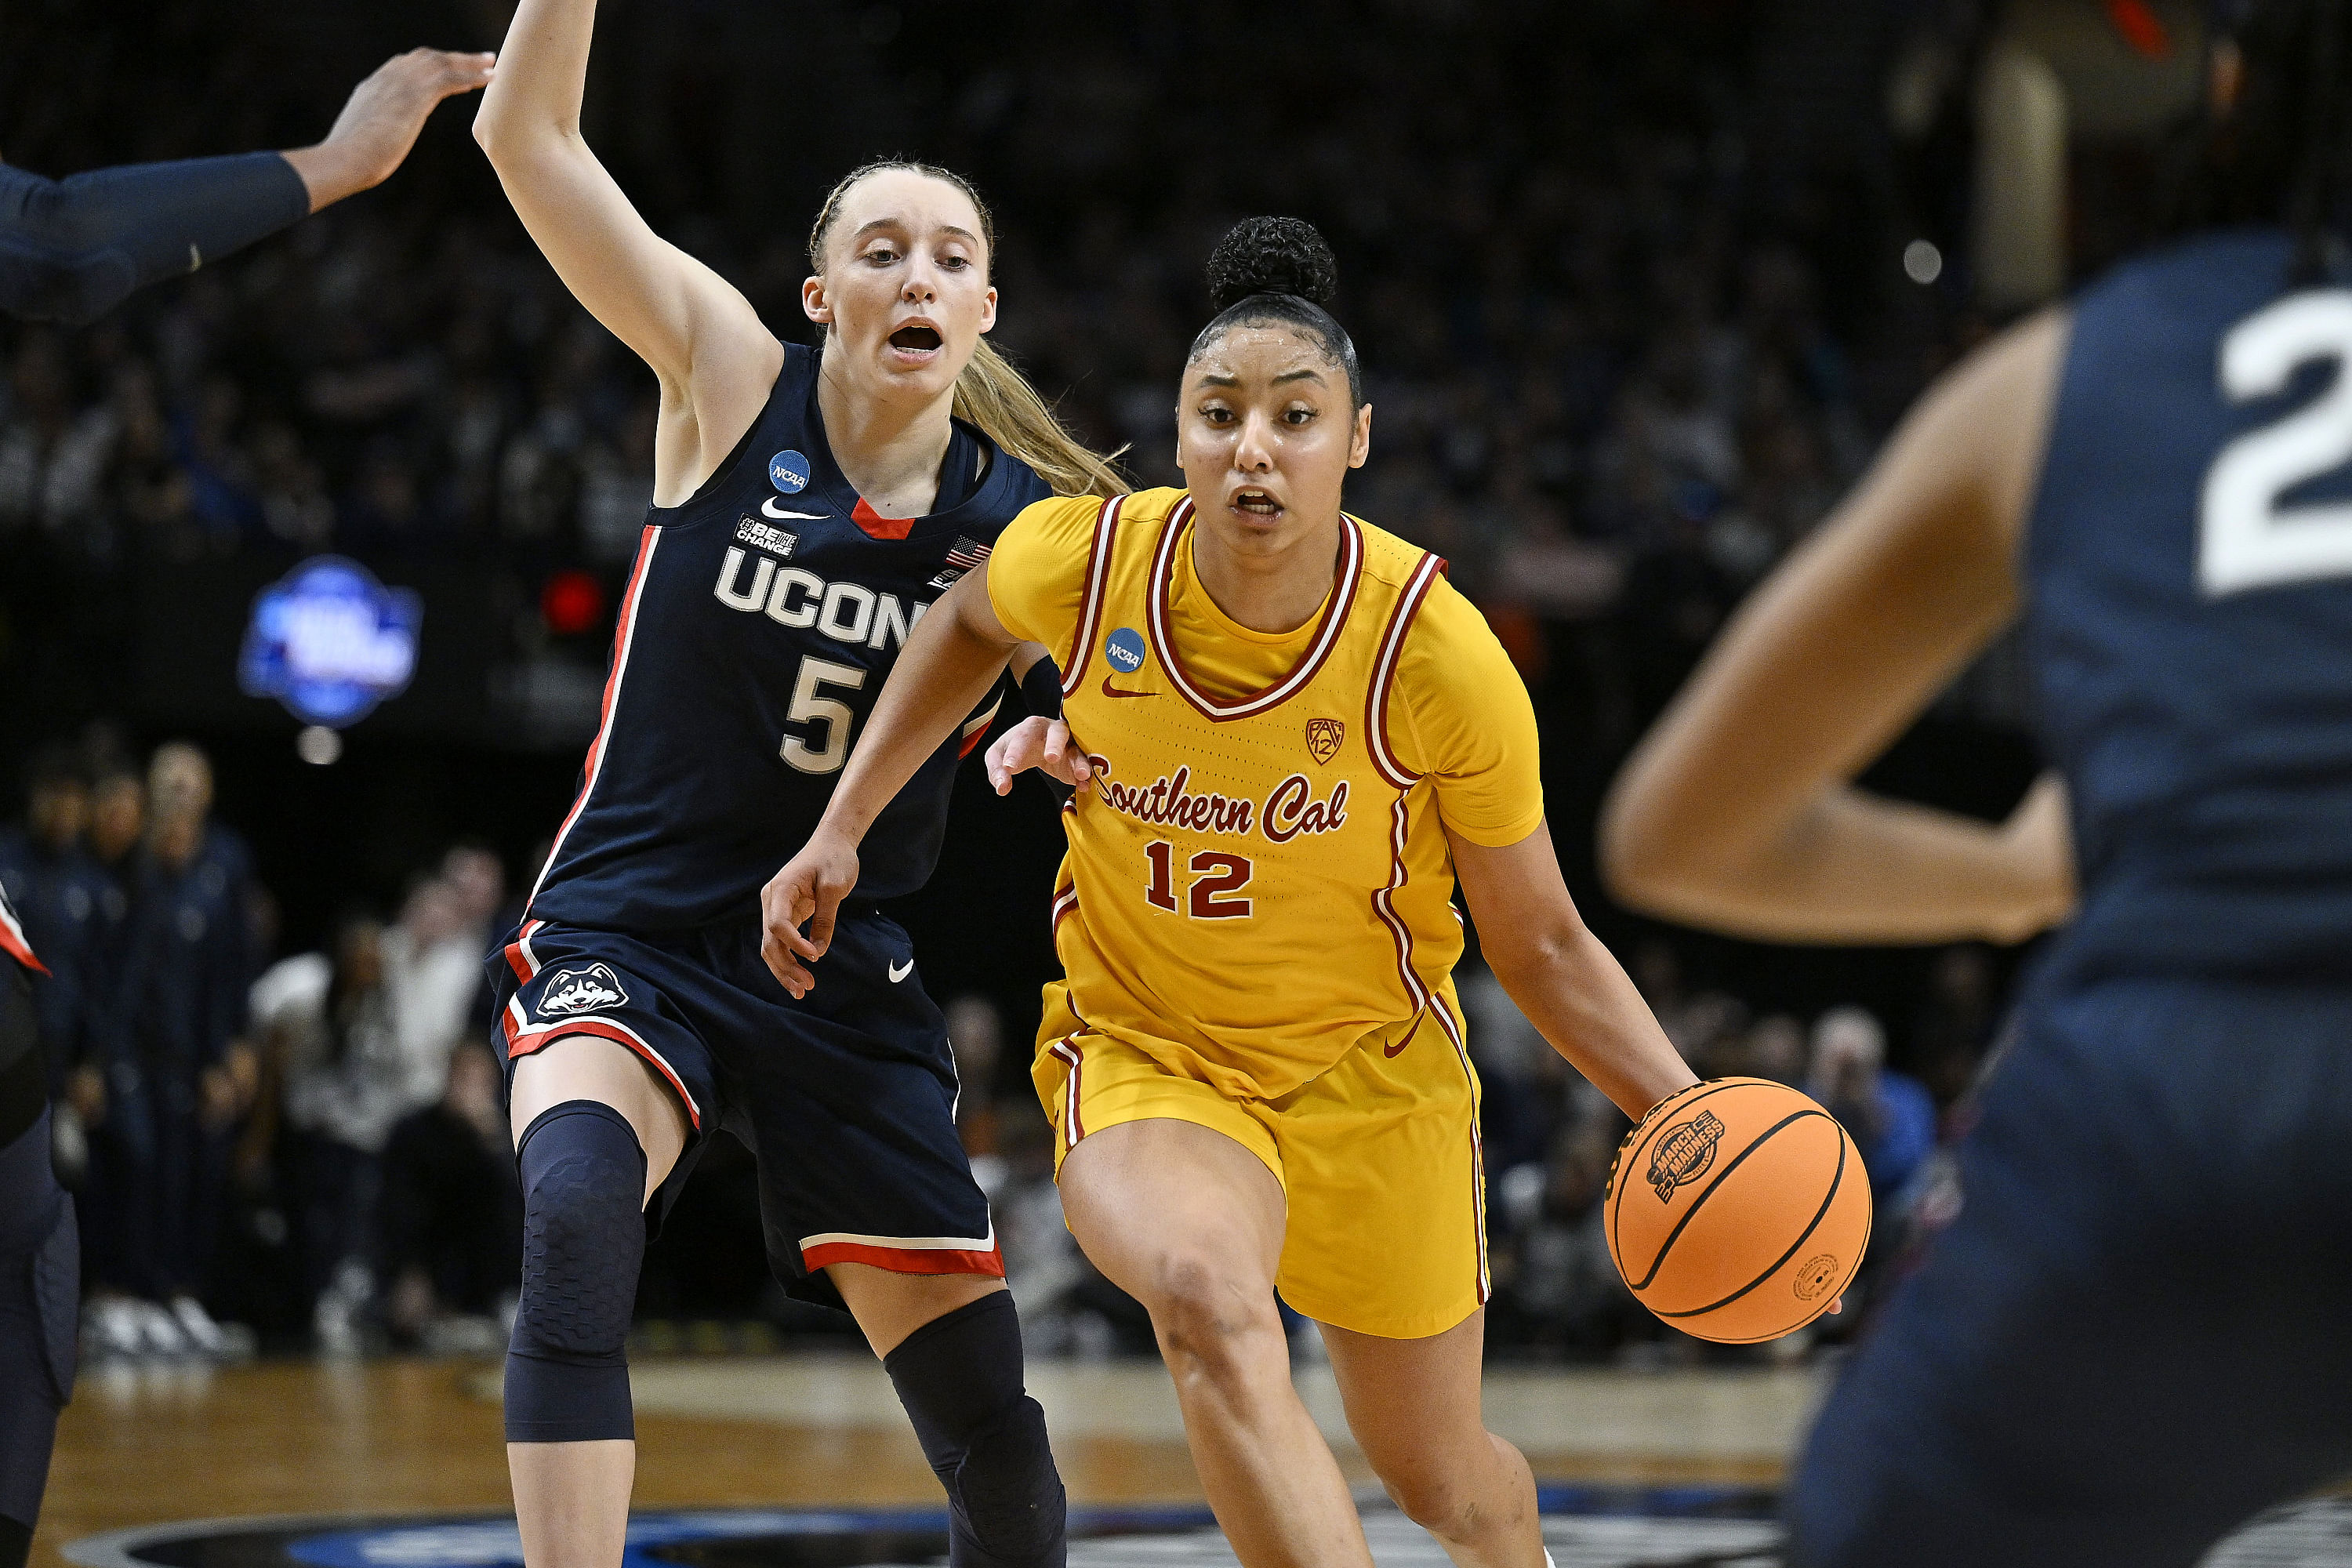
[{"x": 968, "y": 554}]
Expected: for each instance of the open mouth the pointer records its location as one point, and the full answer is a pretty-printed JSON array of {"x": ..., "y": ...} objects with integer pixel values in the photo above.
[
  {"x": 915, "y": 339},
  {"x": 1256, "y": 503}
]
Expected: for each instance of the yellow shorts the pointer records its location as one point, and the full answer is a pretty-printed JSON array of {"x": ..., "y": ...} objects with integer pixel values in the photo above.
[{"x": 1379, "y": 1161}]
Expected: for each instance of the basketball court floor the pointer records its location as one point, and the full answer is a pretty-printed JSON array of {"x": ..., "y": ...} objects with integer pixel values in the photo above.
[{"x": 803, "y": 1461}]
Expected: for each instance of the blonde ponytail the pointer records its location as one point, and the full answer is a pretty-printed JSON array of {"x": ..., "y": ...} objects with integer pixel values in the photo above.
[
  {"x": 989, "y": 392},
  {"x": 993, "y": 396}
]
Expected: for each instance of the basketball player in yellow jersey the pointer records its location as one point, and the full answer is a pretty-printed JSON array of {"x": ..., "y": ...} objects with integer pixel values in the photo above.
[{"x": 1291, "y": 737}]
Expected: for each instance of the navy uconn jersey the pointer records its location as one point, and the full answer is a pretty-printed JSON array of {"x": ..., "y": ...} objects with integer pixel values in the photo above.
[
  {"x": 2189, "y": 566},
  {"x": 760, "y": 621}
]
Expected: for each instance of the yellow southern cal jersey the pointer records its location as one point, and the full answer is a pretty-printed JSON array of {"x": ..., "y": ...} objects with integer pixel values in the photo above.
[{"x": 1256, "y": 914}]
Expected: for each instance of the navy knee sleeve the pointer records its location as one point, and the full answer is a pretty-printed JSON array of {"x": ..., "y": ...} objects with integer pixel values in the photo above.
[
  {"x": 583, "y": 1237},
  {"x": 960, "y": 1377}
]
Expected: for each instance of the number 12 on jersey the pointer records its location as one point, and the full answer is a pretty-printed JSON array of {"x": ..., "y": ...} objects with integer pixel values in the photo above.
[{"x": 1215, "y": 874}]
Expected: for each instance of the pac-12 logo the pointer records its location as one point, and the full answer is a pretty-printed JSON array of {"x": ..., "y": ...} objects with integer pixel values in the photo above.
[
  {"x": 1684, "y": 1153},
  {"x": 1124, "y": 649},
  {"x": 571, "y": 991},
  {"x": 1324, "y": 737},
  {"x": 789, "y": 472}
]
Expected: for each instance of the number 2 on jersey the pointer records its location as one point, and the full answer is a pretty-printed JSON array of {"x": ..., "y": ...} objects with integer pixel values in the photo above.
[
  {"x": 2245, "y": 539},
  {"x": 1215, "y": 872}
]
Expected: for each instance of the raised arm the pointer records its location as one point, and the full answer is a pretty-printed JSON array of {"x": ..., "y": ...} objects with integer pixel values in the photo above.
[
  {"x": 951, "y": 657},
  {"x": 715, "y": 359},
  {"x": 72, "y": 249},
  {"x": 1735, "y": 812},
  {"x": 1571, "y": 988}
]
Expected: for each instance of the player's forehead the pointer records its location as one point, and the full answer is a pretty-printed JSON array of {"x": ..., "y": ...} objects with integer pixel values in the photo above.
[
  {"x": 906, "y": 203},
  {"x": 1251, "y": 357}
]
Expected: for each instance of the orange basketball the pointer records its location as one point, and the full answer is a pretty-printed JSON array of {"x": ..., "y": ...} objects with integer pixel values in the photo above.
[{"x": 1737, "y": 1210}]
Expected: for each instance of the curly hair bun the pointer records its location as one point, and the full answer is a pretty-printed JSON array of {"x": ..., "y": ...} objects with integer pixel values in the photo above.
[{"x": 1271, "y": 255}]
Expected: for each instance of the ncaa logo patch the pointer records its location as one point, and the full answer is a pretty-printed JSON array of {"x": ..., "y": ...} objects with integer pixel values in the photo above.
[
  {"x": 582, "y": 989},
  {"x": 1324, "y": 737},
  {"x": 1124, "y": 649},
  {"x": 789, "y": 472}
]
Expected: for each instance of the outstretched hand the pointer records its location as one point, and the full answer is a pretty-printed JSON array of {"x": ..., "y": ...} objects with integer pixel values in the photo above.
[
  {"x": 381, "y": 120},
  {"x": 809, "y": 888},
  {"x": 1036, "y": 743}
]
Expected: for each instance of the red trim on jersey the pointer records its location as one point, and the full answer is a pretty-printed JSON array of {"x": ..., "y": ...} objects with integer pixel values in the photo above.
[
  {"x": 975, "y": 729},
  {"x": 1089, "y": 621},
  {"x": 874, "y": 525},
  {"x": 1326, "y": 635},
  {"x": 907, "y": 1259},
  {"x": 1376, "y": 701},
  {"x": 625, "y": 637},
  {"x": 13, "y": 942}
]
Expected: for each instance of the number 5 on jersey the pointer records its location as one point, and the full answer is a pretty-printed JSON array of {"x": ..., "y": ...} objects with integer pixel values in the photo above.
[
  {"x": 1216, "y": 873},
  {"x": 812, "y": 705}
]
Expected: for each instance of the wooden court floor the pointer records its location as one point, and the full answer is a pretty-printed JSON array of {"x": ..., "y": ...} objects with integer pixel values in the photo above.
[{"x": 142, "y": 1446}]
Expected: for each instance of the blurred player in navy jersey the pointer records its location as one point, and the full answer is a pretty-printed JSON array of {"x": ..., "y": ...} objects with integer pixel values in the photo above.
[
  {"x": 40, "y": 1268},
  {"x": 809, "y": 507},
  {"x": 2133, "y": 1335},
  {"x": 72, "y": 249}
]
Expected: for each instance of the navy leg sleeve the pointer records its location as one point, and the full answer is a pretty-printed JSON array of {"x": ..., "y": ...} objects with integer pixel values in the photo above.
[
  {"x": 960, "y": 1377},
  {"x": 583, "y": 1182}
]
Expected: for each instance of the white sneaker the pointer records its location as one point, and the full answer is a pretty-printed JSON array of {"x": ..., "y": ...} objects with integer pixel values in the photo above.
[
  {"x": 159, "y": 1332},
  {"x": 110, "y": 1330},
  {"x": 204, "y": 1335}
]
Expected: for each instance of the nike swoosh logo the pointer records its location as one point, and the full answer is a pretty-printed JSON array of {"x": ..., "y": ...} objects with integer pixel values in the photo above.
[
  {"x": 770, "y": 508},
  {"x": 900, "y": 970},
  {"x": 1111, "y": 690}
]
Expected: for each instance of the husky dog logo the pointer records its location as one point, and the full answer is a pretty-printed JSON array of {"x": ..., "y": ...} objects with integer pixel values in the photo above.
[
  {"x": 1817, "y": 1276},
  {"x": 1682, "y": 1152},
  {"x": 571, "y": 990},
  {"x": 1323, "y": 738}
]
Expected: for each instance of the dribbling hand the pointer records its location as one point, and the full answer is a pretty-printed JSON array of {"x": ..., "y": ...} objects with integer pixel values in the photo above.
[
  {"x": 1034, "y": 743},
  {"x": 809, "y": 888}
]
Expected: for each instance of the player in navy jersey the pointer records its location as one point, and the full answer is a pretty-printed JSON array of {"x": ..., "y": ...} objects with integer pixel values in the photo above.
[
  {"x": 2132, "y": 1337},
  {"x": 40, "y": 1255},
  {"x": 809, "y": 506}
]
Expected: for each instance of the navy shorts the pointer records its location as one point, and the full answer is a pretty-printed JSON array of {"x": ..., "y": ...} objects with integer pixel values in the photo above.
[
  {"x": 2133, "y": 1335},
  {"x": 846, "y": 1097}
]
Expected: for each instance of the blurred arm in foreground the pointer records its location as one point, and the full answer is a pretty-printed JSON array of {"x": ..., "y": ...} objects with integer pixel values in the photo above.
[
  {"x": 1737, "y": 813},
  {"x": 72, "y": 249}
]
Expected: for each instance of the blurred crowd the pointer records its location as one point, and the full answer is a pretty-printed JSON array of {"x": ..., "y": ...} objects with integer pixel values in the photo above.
[
  {"x": 1613, "y": 375},
  {"x": 336, "y": 1111}
]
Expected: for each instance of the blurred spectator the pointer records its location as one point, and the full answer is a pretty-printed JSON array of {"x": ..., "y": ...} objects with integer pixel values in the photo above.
[
  {"x": 1890, "y": 1115},
  {"x": 433, "y": 961},
  {"x": 1955, "y": 1023},
  {"x": 330, "y": 1023},
  {"x": 178, "y": 1070},
  {"x": 976, "y": 1036},
  {"x": 451, "y": 1219},
  {"x": 56, "y": 889}
]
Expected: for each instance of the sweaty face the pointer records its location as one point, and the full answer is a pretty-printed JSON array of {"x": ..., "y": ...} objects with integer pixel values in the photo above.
[
  {"x": 1265, "y": 436},
  {"x": 905, "y": 288}
]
